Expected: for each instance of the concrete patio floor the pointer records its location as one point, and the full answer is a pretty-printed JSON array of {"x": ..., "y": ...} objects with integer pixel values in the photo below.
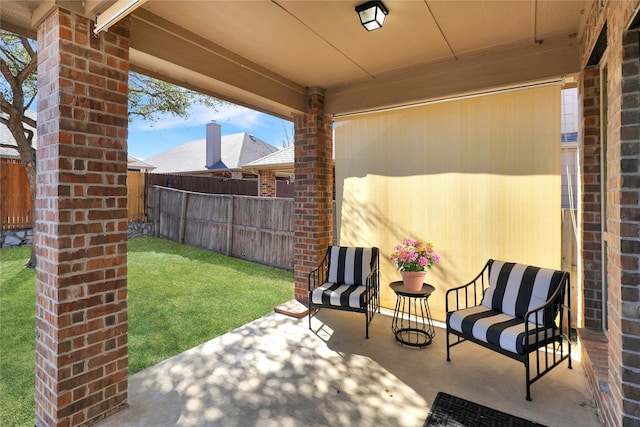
[{"x": 276, "y": 372}]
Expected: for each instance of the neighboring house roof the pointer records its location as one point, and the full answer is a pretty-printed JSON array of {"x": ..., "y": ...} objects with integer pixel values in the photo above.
[
  {"x": 236, "y": 150},
  {"x": 281, "y": 160},
  {"x": 134, "y": 163},
  {"x": 7, "y": 137}
]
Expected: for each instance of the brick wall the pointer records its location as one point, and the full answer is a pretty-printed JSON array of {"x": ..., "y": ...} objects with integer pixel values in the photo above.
[
  {"x": 267, "y": 183},
  {"x": 81, "y": 224},
  {"x": 625, "y": 225},
  {"x": 313, "y": 190},
  {"x": 611, "y": 359},
  {"x": 591, "y": 204}
]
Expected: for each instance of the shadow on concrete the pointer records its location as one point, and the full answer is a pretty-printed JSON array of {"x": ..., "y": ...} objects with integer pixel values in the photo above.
[{"x": 276, "y": 372}]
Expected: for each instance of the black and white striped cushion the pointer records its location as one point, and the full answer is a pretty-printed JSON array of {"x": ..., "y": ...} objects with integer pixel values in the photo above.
[
  {"x": 350, "y": 266},
  {"x": 515, "y": 289},
  {"x": 339, "y": 295},
  {"x": 499, "y": 329}
]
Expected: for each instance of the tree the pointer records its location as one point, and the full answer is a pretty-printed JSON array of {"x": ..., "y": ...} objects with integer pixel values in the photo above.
[
  {"x": 18, "y": 63},
  {"x": 289, "y": 137},
  {"x": 148, "y": 98}
]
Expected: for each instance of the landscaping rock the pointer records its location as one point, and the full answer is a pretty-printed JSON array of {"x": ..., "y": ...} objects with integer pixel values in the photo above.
[
  {"x": 15, "y": 238},
  {"x": 24, "y": 237},
  {"x": 140, "y": 229}
]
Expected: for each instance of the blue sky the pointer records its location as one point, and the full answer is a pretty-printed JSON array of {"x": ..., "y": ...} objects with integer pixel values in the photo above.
[{"x": 146, "y": 140}]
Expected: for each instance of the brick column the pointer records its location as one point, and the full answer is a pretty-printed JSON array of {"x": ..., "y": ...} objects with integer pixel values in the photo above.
[
  {"x": 81, "y": 225},
  {"x": 267, "y": 183},
  {"x": 623, "y": 216},
  {"x": 591, "y": 203},
  {"x": 313, "y": 190}
]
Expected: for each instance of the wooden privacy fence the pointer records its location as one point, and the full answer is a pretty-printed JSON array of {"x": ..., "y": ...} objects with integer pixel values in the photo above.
[
  {"x": 135, "y": 196},
  {"x": 204, "y": 184},
  {"x": 285, "y": 189},
  {"x": 16, "y": 210},
  {"x": 16, "y": 207},
  {"x": 215, "y": 185},
  {"x": 258, "y": 229}
]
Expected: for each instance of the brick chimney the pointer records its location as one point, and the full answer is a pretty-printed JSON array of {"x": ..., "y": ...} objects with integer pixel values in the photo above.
[{"x": 214, "y": 154}]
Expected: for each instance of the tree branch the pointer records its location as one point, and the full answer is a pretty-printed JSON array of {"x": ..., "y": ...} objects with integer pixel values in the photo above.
[
  {"x": 13, "y": 147},
  {"x": 27, "y": 46},
  {"x": 5, "y": 106},
  {"x": 8, "y": 75},
  {"x": 30, "y": 122},
  {"x": 28, "y": 132},
  {"x": 27, "y": 105},
  {"x": 12, "y": 58},
  {"x": 30, "y": 67}
]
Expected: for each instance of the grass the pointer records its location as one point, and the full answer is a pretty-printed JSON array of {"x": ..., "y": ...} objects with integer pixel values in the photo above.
[
  {"x": 178, "y": 297},
  {"x": 17, "y": 338}
]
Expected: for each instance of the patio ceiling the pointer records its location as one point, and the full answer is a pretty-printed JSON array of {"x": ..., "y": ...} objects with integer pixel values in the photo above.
[{"x": 265, "y": 54}]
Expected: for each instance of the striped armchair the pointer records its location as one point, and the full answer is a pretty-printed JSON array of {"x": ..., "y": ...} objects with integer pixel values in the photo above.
[
  {"x": 348, "y": 278},
  {"x": 516, "y": 310}
]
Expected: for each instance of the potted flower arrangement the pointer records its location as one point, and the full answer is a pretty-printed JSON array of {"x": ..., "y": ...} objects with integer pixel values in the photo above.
[{"x": 412, "y": 259}]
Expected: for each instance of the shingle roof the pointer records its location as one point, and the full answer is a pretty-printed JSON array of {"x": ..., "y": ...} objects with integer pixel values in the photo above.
[
  {"x": 282, "y": 160},
  {"x": 7, "y": 137},
  {"x": 236, "y": 150},
  {"x": 135, "y": 163},
  {"x": 283, "y": 157}
]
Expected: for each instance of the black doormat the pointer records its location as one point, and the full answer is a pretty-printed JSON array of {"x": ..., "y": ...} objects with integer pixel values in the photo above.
[{"x": 452, "y": 411}]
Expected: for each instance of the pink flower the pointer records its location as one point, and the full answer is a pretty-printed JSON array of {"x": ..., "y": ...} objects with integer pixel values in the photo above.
[{"x": 414, "y": 255}]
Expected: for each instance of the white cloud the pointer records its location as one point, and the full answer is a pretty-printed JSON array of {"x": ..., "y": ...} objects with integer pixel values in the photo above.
[{"x": 199, "y": 115}]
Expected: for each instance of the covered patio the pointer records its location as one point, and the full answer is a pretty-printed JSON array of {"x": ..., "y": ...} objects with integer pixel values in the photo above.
[
  {"x": 276, "y": 372},
  {"x": 313, "y": 63}
]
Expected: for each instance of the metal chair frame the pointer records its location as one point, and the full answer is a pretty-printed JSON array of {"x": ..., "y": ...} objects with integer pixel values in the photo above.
[
  {"x": 371, "y": 305},
  {"x": 536, "y": 354}
]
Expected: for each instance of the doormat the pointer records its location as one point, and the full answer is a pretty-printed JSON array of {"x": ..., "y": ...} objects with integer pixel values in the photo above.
[{"x": 452, "y": 411}]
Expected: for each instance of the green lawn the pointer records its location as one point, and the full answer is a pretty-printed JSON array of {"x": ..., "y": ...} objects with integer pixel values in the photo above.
[{"x": 179, "y": 297}]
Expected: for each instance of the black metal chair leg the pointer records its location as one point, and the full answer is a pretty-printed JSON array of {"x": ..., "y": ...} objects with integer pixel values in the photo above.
[{"x": 367, "y": 324}]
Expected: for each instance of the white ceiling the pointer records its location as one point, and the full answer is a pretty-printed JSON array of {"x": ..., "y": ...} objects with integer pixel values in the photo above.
[
  {"x": 266, "y": 53},
  {"x": 321, "y": 43}
]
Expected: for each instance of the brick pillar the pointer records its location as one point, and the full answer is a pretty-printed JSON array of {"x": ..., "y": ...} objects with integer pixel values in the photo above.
[
  {"x": 591, "y": 204},
  {"x": 313, "y": 190},
  {"x": 623, "y": 216},
  {"x": 81, "y": 225},
  {"x": 267, "y": 183}
]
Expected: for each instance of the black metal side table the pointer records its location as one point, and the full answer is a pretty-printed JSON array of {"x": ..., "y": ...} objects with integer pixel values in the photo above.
[{"x": 412, "y": 324}]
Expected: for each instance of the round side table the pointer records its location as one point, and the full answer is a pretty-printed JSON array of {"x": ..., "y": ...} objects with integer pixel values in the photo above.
[{"x": 412, "y": 324}]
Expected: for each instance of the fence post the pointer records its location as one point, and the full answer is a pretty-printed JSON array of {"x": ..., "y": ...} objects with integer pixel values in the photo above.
[
  {"x": 183, "y": 216},
  {"x": 230, "y": 225},
  {"x": 158, "y": 211}
]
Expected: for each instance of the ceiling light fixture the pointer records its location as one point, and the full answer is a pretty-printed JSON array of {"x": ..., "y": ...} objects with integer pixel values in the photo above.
[{"x": 372, "y": 14}]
